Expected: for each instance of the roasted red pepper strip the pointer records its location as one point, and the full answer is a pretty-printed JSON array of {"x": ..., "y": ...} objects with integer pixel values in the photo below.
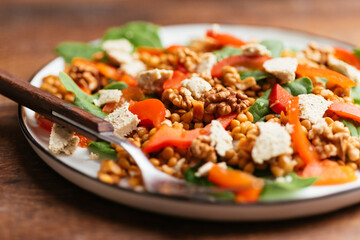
[
  {"x": 346, "y": 110},
  {"x": 279, "y": 99},
  {"x": 45, "y": 123},
  {"x": 151, "y": 111},
  {"x": 225, "y": 39},
  {"x": 175, "y": 81},
  {"x": 238, "y": 60},
  {"x": 168, "y": 136},
  {"x": 306, "y": 151},
  {"x": 150, "y": 50},
  {"x": 347, "y": 56},
  {"x": 330, "y": 75},
  {"x": 235, "y": 178}
]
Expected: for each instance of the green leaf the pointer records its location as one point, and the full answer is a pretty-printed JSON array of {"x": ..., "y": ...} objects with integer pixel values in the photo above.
[
  {"x": 116, "y": 85},
  {"x": 299, "y": 86},
  {"x": 189, "y": 176},
  {"x": 353, "y": 127},
  {"x": 258, "y": 75},
  {"x": 274, "y": 46},
  {"x": 138, "y": 33},
  {"x": 261, "y": 107},
  {"x": 357, "y": 52},
  {"x": 70, "y": 50},
  {"x": 103, "y": 149},
  {"x": 82, "y": 100},
  {"x": 226, "y": 52},
  {"x": 275, "y": 190},
  {"x": 355, "y": 94}
]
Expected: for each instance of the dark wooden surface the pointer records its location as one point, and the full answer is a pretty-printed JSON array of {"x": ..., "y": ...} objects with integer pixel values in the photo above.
[{"x": 37, "y": 203}]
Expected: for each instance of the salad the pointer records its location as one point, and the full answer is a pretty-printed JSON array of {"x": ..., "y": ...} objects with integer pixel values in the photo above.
[{"x": 218, "y": 111}]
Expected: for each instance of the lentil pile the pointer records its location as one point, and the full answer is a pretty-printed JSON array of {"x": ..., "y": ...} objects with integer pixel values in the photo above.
[{"x": 222, "y": 109}]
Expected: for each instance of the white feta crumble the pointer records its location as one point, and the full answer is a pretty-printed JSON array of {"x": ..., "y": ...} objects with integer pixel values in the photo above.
[
  {"x": 207, "y": 61},
  {"x": 120, "y": 45},
  {"x": 312, "y": 107},
  {"x": 220, "y": 138},
  {"x": 133, "y": 68},
  {"x": 62, "y": 140},
  {"x": 255, "y": 49},
  {"x": 107, "y": 96},
  {"x": 196, "y": 85},
  {"x": 273, "y": 141},
  {"x": 319, "y": 126},
  {"x": 123, "y": 120},
  {"x": 289, "y": 128},
  {"x": 152, "y": 80},
  {"x": 282, "y": 68},
  {"x": 204, "y": 169},
  {"x": 342, "y": 67},
  {"x": 94, "y": 156}
]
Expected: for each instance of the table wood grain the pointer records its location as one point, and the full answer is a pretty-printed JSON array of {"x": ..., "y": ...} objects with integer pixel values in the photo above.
[{"x": 37, "y": 203}]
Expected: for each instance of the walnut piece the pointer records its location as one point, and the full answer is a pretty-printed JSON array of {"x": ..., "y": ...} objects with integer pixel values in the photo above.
[
  {"x": 85, "y": 75},
  {"x": 316, "y": 54},
  {"x": 202, "y": 150},
  {"x": 188, "y": 58},
  {"x": 180, "y": 98},
  {"x": 222, "y": 101}
]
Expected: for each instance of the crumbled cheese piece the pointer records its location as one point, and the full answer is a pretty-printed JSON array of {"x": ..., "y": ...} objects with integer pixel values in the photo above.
[
  {"x": 312, "y": 107},
  {"x": 120, "y": 45},
  {"x": 282, "y": 68},
  {"x": 123, "y": 120},
  {"x": 342, "y": 67},
  {"x": 152, "y": 80},
  {"x": 204, "y": 169},
  {"x": 319, "y": 126},
  {"x": 94, "y": 156},
  {"x": 62, "y": 140},
  {"x": 273, "y": 141},
  {"x": 289, "y": 128},
  {"x": 120, "y": 57},
  {"x": 196, "y": 85},
  {"x": 133, "y": 68},
  {"x": 220, "y": 138},
  {"x": 207, "y": 61},
  {"x": 107, "y": 96},
  {"x": 255, "y": 49}
]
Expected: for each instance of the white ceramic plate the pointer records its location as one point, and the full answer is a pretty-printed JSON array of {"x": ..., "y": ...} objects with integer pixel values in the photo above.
[{"x": 82, "y": 171}]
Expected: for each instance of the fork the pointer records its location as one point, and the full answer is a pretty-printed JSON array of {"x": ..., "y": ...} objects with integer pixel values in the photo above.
[{"x": 95, "y": 128}]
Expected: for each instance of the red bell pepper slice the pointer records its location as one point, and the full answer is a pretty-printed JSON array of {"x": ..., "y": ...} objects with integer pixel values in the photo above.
[
  {"x": 45, "y": 123},
  {"x": 235, "y": 178},
  {"x": 150, "y": 50},
  {"x": 83, "y": 141},
  {"x": 175, "y": 81},
  {"x": 347, "y": 56},
  {"x": 306, "y": 151},
  {"x": 238, "y": 60},
  {"x": 168, "y": 136},
  {"x": 346, "y": 110},
  {"x": 151, "y": 111},
  {"x": 225, "y": 39},
  {"x": 173, "y": 48},
  {"x": 330, "y": 75},
  {"x": 279, "y": 99}
]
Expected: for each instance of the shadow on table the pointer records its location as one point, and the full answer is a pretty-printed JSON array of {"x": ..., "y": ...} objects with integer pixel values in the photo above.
[{"x": 85, "y": 206}]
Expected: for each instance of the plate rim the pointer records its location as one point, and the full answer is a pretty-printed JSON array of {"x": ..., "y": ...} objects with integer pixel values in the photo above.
[{"x": 21, "y": 120}]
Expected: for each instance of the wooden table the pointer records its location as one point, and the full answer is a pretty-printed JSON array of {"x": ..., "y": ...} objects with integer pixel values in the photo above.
[{"x": 37, "y": 203}]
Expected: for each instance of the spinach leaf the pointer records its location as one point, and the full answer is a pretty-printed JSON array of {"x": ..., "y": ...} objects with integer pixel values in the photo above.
[
  {"x": 82, "y": 100},
  {"x": 353, "y": 127},
  {"x": 103, "y": 149},
  {"x": 70, "y": 50},
  {"x": 261, "y": 106},
  {"x": 275, "y": 189},
  {"x": 355, "y": 94},
  {"x": 299, "y": 86},
  {"x": 116, "y": 85},
  {"x": 189, "y": 176},
  {"x": 258, "y": 75},
  {"x": 138, "y": 33},
  {"x": 226, "y": 52},
  {"x": 274, "y": 46}
]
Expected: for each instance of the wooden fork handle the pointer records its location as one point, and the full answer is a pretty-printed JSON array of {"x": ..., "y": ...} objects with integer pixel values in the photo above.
[{"x": 45, "y": 104}]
